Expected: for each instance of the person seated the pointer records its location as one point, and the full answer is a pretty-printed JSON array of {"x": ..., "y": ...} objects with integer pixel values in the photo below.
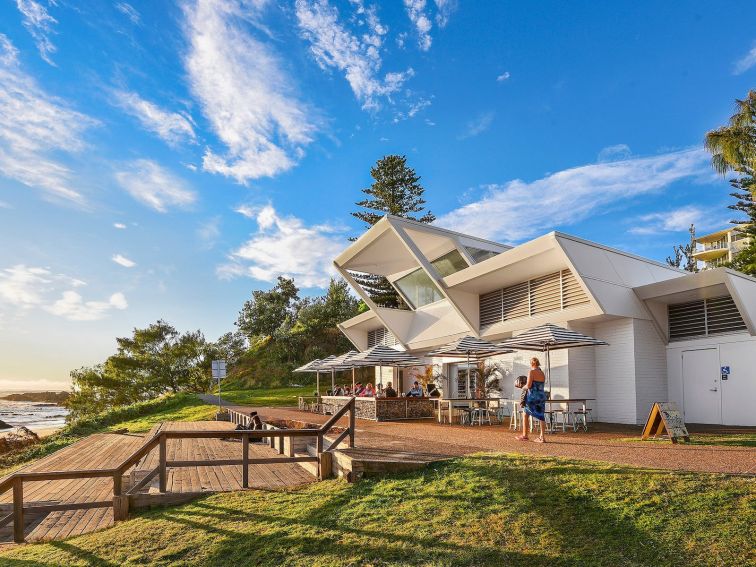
[
  {"x": 347, "y": 391},
  {"x": 416, "y": 391},
  {"x": 338, "y": 391},
  {"x": 520, "y": 382},
  {"x": 369, "y": 391},
  {"x": 390, "y": 392},
  {"x": 433, "y": 392},
  {"x": 358, "y": 389}
]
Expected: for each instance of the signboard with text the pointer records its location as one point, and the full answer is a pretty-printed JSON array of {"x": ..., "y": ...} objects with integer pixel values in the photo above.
[{"x": 665, "y": 417}]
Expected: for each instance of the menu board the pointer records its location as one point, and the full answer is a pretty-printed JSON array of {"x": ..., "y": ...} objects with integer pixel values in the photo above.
[{"x": 665, "y": 417}]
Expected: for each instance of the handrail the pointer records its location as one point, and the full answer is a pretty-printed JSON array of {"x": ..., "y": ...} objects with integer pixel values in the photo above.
[{"x": 15, "y": 480}]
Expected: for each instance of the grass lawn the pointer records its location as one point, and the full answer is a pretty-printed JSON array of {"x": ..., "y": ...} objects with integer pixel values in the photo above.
[
  {"x": 237, "y": 393},
  {"x": 135, "y": 418},
  {"x": 723, "y": 440},
  {"x": 481, "y": 510}
]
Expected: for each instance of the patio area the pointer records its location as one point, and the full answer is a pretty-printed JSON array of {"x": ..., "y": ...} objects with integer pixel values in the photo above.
[{"x": 604, "y": 442}]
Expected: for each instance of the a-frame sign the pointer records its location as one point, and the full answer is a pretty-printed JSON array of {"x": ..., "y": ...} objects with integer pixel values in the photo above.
[{"x": 665, "y": 416}]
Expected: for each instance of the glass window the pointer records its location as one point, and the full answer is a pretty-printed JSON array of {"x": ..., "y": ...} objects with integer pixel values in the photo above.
[
  {"x": 449, "y": 263},
  {"x": 418, "y": 289},
  {"x": 478, "y": 254}
]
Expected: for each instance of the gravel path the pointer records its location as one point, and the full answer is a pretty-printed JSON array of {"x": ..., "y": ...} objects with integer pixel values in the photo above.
[{"x": 602, "y": 443}]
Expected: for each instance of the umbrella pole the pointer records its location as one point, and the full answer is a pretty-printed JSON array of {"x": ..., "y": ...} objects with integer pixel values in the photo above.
[
  {"x": 333, "y": 380},
  {"x": 548, "y": 370},
  {"x": 353, "y": 382},
  {"x": 317, "y": 384}
]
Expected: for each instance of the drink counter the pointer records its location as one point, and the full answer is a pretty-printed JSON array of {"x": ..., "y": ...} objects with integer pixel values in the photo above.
[{"x": 382, "y": 409}]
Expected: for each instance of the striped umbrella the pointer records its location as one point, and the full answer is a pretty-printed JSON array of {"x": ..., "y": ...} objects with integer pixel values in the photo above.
[
  {"x": 548, "y": 337},
  {"x": 381, "y": 355},
  {"x": 341, "y": 362},
  {"x": 316, "y": 366},
  {"x": 472, "y": 348}
]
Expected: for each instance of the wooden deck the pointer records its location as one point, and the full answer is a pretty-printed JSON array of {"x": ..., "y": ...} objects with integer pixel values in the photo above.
[{"x": 106, "y": 451}]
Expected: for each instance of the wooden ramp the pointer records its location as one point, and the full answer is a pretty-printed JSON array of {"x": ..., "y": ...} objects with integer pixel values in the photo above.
[{"x": 106, "y": 451}]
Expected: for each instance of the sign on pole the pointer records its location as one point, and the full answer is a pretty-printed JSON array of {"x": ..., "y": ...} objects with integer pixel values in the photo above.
[{"x": 219, "y": 373}]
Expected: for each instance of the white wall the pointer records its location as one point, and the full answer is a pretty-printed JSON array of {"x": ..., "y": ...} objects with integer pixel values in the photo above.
[
  {"x": 615, "y": 371},
  {"x": 738, "y": 351},
  {"x": 650, "y": 368},
  {"x": 582, "y": 368}
]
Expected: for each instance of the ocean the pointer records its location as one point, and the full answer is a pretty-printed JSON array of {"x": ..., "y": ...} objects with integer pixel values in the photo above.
[{"x": 33, "y": 415}]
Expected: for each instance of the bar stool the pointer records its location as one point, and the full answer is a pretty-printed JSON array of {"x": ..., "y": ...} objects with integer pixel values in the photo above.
[
  {"x": 514, "y": 420},
  {"x": 480, "y": 414}
]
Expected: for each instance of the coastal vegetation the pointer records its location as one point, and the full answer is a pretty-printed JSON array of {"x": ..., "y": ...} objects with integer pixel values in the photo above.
[{"x": 492, "y": 509}]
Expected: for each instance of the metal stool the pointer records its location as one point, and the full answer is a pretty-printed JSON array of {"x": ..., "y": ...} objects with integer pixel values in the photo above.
[{"x": 480, "y": 414}]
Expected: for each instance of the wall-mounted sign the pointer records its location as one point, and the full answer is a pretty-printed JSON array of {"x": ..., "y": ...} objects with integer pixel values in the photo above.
[
  {"x": 665, "y": 417},
  {"x": 725, "y": 371}
]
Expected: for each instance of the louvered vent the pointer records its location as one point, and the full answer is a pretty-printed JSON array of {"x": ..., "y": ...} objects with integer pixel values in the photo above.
[
  {"x": 552, "y": 292},
  {"x": 545, "y": 294},
  {"x": 704, "y": 317},
  {"x": 572, "y": 293},
  {"x": 381, "y": 336}
]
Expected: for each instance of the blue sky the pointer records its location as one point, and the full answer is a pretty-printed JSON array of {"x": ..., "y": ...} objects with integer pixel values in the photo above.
[{"x": 163, "y": 159}]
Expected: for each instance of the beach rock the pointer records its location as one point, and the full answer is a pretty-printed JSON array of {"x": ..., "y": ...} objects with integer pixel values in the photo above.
[
  {"x": 4, "y": 425},
  {"x": 46, "y": 397},
  {"x": 17, "y": 438}
]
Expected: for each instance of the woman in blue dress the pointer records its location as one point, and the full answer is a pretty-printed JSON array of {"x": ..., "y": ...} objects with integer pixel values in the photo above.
[{"x": 535, "y": 402}]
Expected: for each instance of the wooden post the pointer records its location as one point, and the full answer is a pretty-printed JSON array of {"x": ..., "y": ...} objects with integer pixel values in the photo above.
[
  {"x": 120, "y": 502},
  {"x": 319, "y": 453},
  {"x": 163, "y": 466},
  {"x": 325, "y": 465},
  {"x": 245, "y": 459},
  {"x": 351, "y": 423},
  {"x": 18, "y": 510}
]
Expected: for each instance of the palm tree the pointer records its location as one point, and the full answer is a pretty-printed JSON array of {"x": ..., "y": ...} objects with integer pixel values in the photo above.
[{"x": 733, "y": 147}]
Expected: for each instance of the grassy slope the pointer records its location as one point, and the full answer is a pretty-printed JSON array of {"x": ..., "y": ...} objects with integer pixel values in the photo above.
[
  {"x": 722, "y": 440},
  {"x": 136, "y": 418},
  {"x": 238, "y": 393},
  {"x": 482, "y": 510}
]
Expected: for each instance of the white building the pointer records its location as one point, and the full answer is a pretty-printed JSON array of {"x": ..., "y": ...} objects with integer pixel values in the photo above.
[
  {"x": 718, "y": 248},
  {"x": 672, "y": 335}
]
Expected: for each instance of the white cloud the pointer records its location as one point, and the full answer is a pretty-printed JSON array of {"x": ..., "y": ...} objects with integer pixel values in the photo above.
[
  {"x": 243, "y": 91},
  {"x": 119, "y": 225},
  {"x": 503, "y": 77},
  {"x": 34, "y": 125},
  {"x": 155, "y": 186},
  {"x": 39, "y": 23},
  {"x": 209, "y": 232},
  {"x": 286, "y": 246},
  {"x": 445, "y": 9},
  {"x": 746, "y": 62},
  {"x": 73, "y": 307},
  {"x": 617, "y": 152},
  {"x": 359, "y": 58},
  {"x": 27, "y": 287},
  {"x": 676, "y": 220},
  {"x": 4, "y": 205},
  {"x": 421, "y": 21},
  {"x": 477, "y": 126},
  {"x": 171, "y": 127},
  {"x": 517, "y": 209},
  {"x": 129, "y": 11},
  {"x": 246, "y": 211},
  {"x": 123, "y": 261}
]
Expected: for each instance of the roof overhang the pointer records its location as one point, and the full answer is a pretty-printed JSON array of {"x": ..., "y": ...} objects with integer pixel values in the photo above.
[{"x": 701, "y": 285}]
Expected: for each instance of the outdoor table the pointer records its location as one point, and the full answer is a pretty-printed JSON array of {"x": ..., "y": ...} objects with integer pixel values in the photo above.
[
  {"x": 451, "y": 401},
  {"x": 568, "y": 401}
]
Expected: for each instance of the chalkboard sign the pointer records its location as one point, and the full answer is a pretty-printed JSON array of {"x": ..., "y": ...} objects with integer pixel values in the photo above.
[{"x": 665, "y": 417}]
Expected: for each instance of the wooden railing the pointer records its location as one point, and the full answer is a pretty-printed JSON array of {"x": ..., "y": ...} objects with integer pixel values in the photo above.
[{"x": 120, "y": 501}]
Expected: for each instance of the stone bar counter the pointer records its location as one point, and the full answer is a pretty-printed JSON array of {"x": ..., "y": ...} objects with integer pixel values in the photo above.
[{"x": 382, "y": 409}]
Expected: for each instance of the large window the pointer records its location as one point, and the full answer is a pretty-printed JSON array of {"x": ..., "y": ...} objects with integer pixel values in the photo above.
[
  {"x": 450, "y": 263},
  {"x": 418, "y": 289},
  {"x": 478, "y": 254}
]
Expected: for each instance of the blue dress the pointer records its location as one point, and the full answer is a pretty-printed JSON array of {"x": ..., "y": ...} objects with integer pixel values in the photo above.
[{"x": 535, "y": 403}]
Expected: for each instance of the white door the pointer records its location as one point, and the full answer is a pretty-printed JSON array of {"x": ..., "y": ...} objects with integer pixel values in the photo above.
[{"x": 702, "y": 396}]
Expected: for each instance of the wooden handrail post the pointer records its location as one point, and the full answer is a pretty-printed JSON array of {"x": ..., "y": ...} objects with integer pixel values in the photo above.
[
  {"x": 245, "y": 458},
  {"x": 18, "y": 510},
  {"x": 351, "y": 423},
  {"x": 163, "y": 466},
  {"x": 117, "y": 488}
]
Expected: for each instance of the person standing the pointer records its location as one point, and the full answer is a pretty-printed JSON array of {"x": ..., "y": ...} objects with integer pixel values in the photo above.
[{"x": 535, "y": 401}]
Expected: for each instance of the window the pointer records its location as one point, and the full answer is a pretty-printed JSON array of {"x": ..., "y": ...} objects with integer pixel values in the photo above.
[
  {"x": 450, "y": 263},
  {"x": 704, "y": 317},
  {"x": 418, "y": 289},
  {"x": 478, "y": 254},
  {"x": 551, "y": 292}
]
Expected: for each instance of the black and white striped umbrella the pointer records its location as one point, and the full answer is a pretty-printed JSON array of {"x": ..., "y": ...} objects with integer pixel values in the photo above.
[
  {"x": 472, "y": 348},
  {"x": 548, "y": 337},
  {"x": 341, "y": 362},
  {"x": 381, "y": 355},
  {"x": 316, "y": 366}
]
